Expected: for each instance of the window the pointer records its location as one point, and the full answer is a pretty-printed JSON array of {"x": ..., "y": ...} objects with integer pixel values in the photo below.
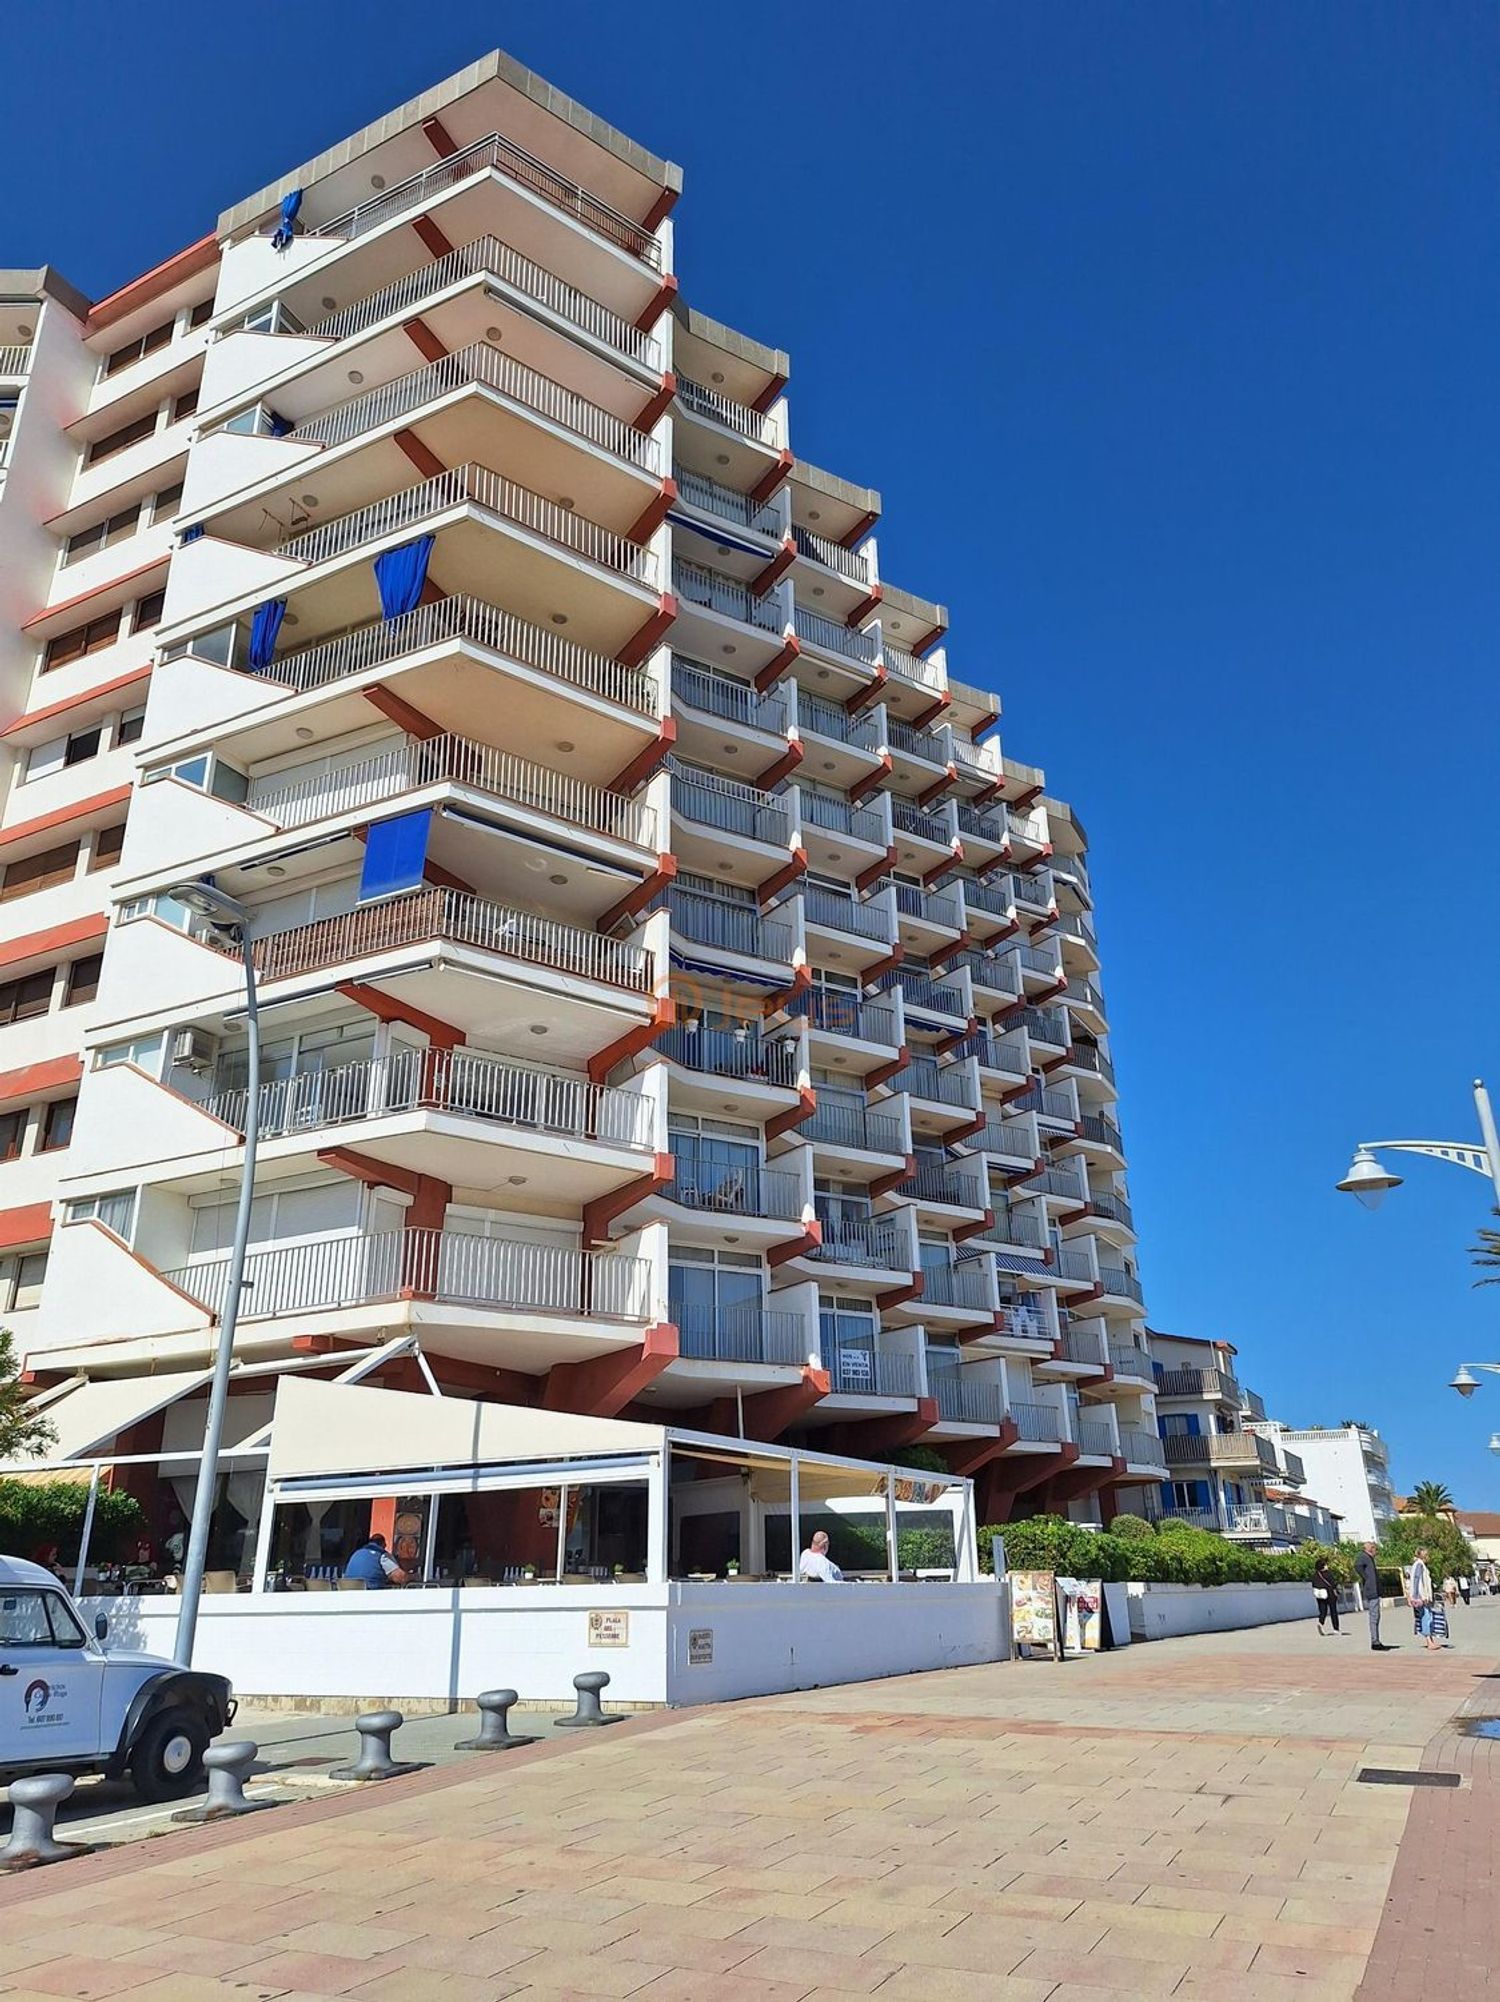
[
  {"x": 39, "y": 872},
  {"x": 137, "y": 350},
  {"x": 23, "y": 1000},
  {"x": 159, "y": 905},
  {"x": 116, "y": 1211},
  {"x": 144, "y": 1052},
  {"x": 204, "y": 310},
  {"x": 57, "y": 1124},
  {"x": 83, "y": 745},
  {"x": 12, "y": 1134},
  {"x": 119, "y": 441},
  {"x": 164, "y": 505},
  {"x": 130, "y": 726},
  {"x": 147, "y": 611},
  {"x": 83, "y": 980},
  {"x": 59, "y": 752},
  {"x": 21, "y": 1280},
  {"x": 81, "y": 641},
  {"x": 185, "y": 405},
  {"x": 103, "y": 535},
  {"x": 23, "y": 1620},
  {"x": 107, "y": 845}
]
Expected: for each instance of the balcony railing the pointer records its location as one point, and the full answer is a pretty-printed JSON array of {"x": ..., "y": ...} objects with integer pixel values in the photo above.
[
  {"x": 835, "y": 1012},
  {"x": 1011, "y": 1140},
  {"x": 827, "y": 719},
  {"x": 1079, "y": 925},
  {"x": 845, "y": 914},
  {"x": 925, "y": 673},
  {"x": 1030, "y": 826},
  {"x": 828, "y": 636},
  {"x": 699, "y": 687},
  {"x": 1085, "y": 994},
  {"x": 983, "y": 825},
  {"x": 947, "y": 1182},
  {"x": 1033, "y": 891},
  {"x": 941, "y": 996},
  {"x": 1055, "y": 1102},
  {"x": 859, "y": 1240},
  {"x": 711, "y": 497},
  {"x": 459, "y": 1081},
  {"x": 934, "y": 907},
  {"x": 1044, "y": 1025},
  {"x": 1010, "y": 1054},
  {"x": 16, "y": 359},
  {"x": 1039, "y": 1423},
  {"x": 490, "y": 367},
  {"x": 1020, "y": 1227},
  {"x": 482, "y": 488},
  {"x": 837, "y": 1124},
  {"x": 1262, "y": 1519},
  {"x": 472, "y": 621},
  {"x": 994, "y": 898},
  {"x": 454, "y": 917},
  {"x": 1061, "y": 1179},
  {"x": 1104, "y": 1132},
  {"x": 939, "y": 1084},
  {"x": 1038, "y": 959},
  {"x": 740, "y": 1053},
  {"x": 490, "y": 255},
  {"x": 729, "y": 807},
  {"x": 290, "y": 801},
  {"x": 726, "y": 595},
  {"x": 912, "y": 820},
  {"x": 734, "y": 1188},
  {"x": 494, "y": 1274},
  {"x": 838, "y": 816},
  {"x": 740, "y": 1334},
  {"x": 1120, "y": 1284},
  {"x": 1094, "y": 1436},
  {"x": 851, "y": 563},
  {"x": 1217, "y": 1384},
  {"x": 1220, "y": 1449},
  {"x": 1142, "y": 1448},
  {"x": 1080, "y": 1348},
  {"x": 924, "y": 744},
  {"x": 1025, "y": 1317},
  {"x": 506, "y": 158},
  {"x": 862, "y": 1372},
  {"x": 1126, "y": 1359},
  {"x": 1076, "y": 1266},
  {"x": 990, "y": 971},
  {"x": 964, "y": 1400},
  {"x": 965, "y": 1285},
  {"x": 729, "y": 927},
  {"x": 721, "y": 409},
  {"x": 1113, "y": 1207}
]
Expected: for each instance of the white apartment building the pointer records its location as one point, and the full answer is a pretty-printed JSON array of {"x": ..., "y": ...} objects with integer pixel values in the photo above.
[
  {"x": 674, "y": 1002},
  {"x": 1347, "y": 1467}
]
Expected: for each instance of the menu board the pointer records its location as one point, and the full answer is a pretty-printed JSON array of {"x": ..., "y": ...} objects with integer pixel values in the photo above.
[
  {"x": 1033, "y": 1612},
  {"x": 1081, "y": 1599}
]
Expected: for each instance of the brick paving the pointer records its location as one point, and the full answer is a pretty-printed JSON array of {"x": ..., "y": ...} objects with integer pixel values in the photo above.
[{"x": 1181, "y": 1820}]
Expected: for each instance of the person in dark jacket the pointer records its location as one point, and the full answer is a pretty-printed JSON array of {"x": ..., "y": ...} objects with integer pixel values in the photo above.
[
  {"x": 1326, "y": 1593},
  {"x": 1369, "y": 1588}
]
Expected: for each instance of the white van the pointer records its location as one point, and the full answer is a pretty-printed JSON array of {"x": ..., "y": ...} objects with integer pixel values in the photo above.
[{"x": 71, "y": 1704}]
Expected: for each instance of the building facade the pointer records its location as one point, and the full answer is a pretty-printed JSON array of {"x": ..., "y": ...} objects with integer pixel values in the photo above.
[
  {"x": 1348, "y": 1467},
  {"x": 673, "y": 1000}
]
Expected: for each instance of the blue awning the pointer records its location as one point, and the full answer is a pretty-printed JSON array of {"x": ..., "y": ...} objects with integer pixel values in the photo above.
[
  {"x": 717, "y": 970},
  {"x": 712, "y": 532},
  {"x": 395, "y": 854}
]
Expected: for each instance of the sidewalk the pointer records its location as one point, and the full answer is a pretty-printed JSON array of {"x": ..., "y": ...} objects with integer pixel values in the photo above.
[{"x": 1177, "y": 1820}]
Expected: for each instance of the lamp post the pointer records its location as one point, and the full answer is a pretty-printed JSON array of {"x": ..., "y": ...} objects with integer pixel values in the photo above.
[
  {"x": 1371, "y": 1183},
  {"x": 226, "y": 914}
]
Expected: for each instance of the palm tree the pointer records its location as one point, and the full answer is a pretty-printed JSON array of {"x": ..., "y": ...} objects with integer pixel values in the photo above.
[
  {"x": 1431, "y": 1498},
  {"x": 1487, "y": 1252}
]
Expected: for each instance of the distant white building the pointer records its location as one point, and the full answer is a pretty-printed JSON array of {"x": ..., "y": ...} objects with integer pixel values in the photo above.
[{"x": 1346, "y": 1468}]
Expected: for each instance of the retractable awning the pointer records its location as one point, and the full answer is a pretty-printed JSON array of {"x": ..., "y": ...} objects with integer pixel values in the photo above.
[{"x": 95, "y": 1413}]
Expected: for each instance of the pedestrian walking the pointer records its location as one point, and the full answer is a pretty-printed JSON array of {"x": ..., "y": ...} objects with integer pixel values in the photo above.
[
  {"x": 1325, "y": 1594},
  {"x": 1369, "y": 1590},
  {"x": 1425, "y": 1608},
  {"x": 1465, "y": 1587}
]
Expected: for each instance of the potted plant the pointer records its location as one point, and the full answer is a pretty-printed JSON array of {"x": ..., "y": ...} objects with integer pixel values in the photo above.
[
  {"x": 732, "y": 1568},
  {"x": 528, "y": 1574}
]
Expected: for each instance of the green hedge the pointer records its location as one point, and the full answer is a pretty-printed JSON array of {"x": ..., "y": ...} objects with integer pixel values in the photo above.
[
  {"x": 34, "y": 1514},
  {"x": 1172, "y": 1553}
]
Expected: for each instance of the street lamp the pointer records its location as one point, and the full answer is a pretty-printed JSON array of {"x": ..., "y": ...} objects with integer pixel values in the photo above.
[
  {"x": 1371, "y": 1183},
  {"x": 225, "y": 914}
]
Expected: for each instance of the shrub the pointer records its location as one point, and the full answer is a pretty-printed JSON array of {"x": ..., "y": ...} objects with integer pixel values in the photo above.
[
  {"x": 1134, "y": 1528},
  {"x": 1169, "y": 1553},
  {"x": 34, "y": 1514}
]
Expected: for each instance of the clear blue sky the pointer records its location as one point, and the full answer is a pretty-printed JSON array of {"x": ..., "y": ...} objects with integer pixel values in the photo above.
[{"x": 1169, "y": 333}]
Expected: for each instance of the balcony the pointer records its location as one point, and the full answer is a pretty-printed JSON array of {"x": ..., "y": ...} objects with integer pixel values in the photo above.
[
  {"x": 924, "y": 994},
  {"x": 503, "y": 157},
  {"x": 939, "y": 1084},
  {"x": 1267, "y": 1521},
  {"x": 928, "y": 674},
  {"x": 991, "y": 900},
  {"x": 837, "y": 816},
  {"x": 15, "y": 360},
  {"x": 1244, "y": 1451},
  {"x": 945, "y": 1185},
  {"x": 1009, "y": 1140},
  {"x": 732, "y": 1053},
  {"x": 911, "y": 820},
  {"x": 727, "y": 596},
  {"x": 716, "y": 408},
  {"x": 492, "y": 1275},
  {"x": 1033, "y": 892},
  {"x": 927, "y": 745},
  {"x": 991, "y": 973},
  {"x": 1019, "y": 1229},
  {"x": 1215, "y": 1384},
  {"x": 1111, "y": 1209},
  {"x": 1118, "y": 1284},
  {"x": 854, "y": 1128},
  {"x": 1048, "y": 1026},
  {"x": 1141, "y": 1448},
  {"x": 934, "y": 910},
  {"x": 722, "y": 926},
  {"x": 455, "y": 917},
  {"x": 846, "y": 646},
  {"x": 850, "y": 564},
  {"x": 727, "y": 504},
  {"x": 859, "y": 1241},
  {"x": 1026, "y": 1317},
  {"x": 1006, "y": 1056},
  {"x": 1053, "y": 1104},
  {"x": 1101, "y": 1132},
  {"x": 820, "y": 718},
  {"x": 727, "y": 807},
  {"x": 967, "y": 1287},
  {"x": 834, "y": 1011},
  {"x": 1129, "y": 1359},
  {"x": 734, "y": 1188},
  {"x": 748, "y": 1334},
  {"x": 1095, "y": 1437},
  {"x": 830, "y": 911},
  {"x": 703, "y": 689},
  {"x": 1039, "y": 1424},
  {"x": 963, "y": 1398},
  {"x": 287, "y": 800},
  {"x": 862, "y": 1372}
]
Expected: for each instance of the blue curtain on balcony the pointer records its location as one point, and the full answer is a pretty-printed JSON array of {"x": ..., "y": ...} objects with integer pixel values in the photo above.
[
  {"x": 277, "y": 426},
  {"x": 263, "y": 630},
  {"x": 395, "y": 854},
  {"x": 284, "y": 231},
  {"x": 400, "y": 575}
]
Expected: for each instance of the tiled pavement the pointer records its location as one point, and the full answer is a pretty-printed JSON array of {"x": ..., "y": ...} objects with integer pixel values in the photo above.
[{"x": 1176, "y": 1820}]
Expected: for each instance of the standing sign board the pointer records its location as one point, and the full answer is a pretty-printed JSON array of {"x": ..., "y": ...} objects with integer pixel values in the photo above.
[
  {"x": 1033, "y": 1614},
  {"x": 1081, "y": 1600}
]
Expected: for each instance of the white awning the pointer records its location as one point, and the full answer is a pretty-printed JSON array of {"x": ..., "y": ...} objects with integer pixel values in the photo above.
[{"x": 95, "y": 1413}]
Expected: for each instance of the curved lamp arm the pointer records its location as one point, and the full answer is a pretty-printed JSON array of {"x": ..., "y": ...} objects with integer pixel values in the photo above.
[{"x": 1459, "y": 1152}]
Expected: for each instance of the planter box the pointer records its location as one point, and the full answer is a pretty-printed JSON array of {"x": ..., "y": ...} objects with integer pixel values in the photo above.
[{"x": 1162, "y": 1612}]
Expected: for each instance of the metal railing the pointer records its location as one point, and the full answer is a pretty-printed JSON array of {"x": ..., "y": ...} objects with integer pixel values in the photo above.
[
  {"x": 493, "y": 369},
  {"x": 1026, "y": 1318},
  {"x": 942, "y": 996},
  {"x": 1086, "y": 1350},
  {"x": 1039, "y": 1423},
  {"x": 966, "y": 1285},
  {"x": 1261, "y": 1519},
  {"x": 720, "y": 409},
  {"x": 700, "y": 687},
  {"x": 497, "y": 1274},
  {"x": 728, "y": 926},
  {"x": 1012, "y": 1140},
  {"x": 729, "y": 806},
  {"x": 1010, "y": 1055},
  {"x": 826, "y": 719},
  {"x": 15, "y": 359},
  {"x": 854, "y": 1240},
  {"x": 839, "y": 816},
  {"x": 1062, "y": 1178},
  {"x": 1014, "y": 1226},
  {"x": 952, "y": 1183},
  {"x": 1220, "y": 1449},
  {"x": 1039, "y": 959},
  {"x": 1103, "y": 1132},
  {"x": 1030, "y": 826},
  {"x": 838, "y": 1013},
  {"x": 940, "y": 1084},
  {"x": 494, "y": 257},
  {"x": 851, "y": 563},
  {"x": 837, "y": 1124},
  {"x": 983, "y": 825},
  {"x": 1079, "y": 925},
  {"x": 1032, "y": 889},
  {"x": 730, "y": 1187},
  {"x": 740, "y": 1334},
  {"x": 1120, "y": 1284},
  {"x": 964, "y": 1400},
  {"x": 991, "y": 971},
  {"x": 455, "y": 917},
  {"x": 742, "y": 1053},
  {"x": 486, "y": 489},
  {"x": 924, "y": 744},
  {"x": 699, "y": 491},
  {"x": 1085, "y": 994},
  {"x": 1054, "y": 1101},
  {"x": 1045, "y": 1025},
  {"x": 1105, "y": 1204},
  {"x": 994, "y": 899},
  {"x": 726, "y": 595},
  {"x": 513, "y": 161},
  {"x": 924, "y": 826},
  {"x": 846, "y": 914},
  {"x": 860, "y": 1372},
  {"x": 934, "y": 907},
  {"x": 1075, "y": 1265},
  {"x": 1128, "y": 1360},
  {"x": 1094, "y": 1436},
  {"x": 1211, "y": 1383},
  {"x": 435, "y": 1080},
  {"x": 1142, "y": 1448},
  {"x": 292, "y": 801},
  {"x": 909, "y": 667},
  {"x": 828, "y": 636}
]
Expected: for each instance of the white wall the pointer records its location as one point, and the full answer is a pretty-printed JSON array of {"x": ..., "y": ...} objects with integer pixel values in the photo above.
[
  {"x": 1335, "y": 1466},
  {"x": 1163, "y": 1612}
]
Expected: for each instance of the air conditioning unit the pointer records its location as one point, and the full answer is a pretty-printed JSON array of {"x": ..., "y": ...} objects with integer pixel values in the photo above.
[{"x": 195, "y": 1049}]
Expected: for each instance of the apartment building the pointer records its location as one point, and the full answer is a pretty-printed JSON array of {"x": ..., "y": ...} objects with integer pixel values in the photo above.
[
  {"x": 1348, "y": 1466},
  {"x": 673, "y": 1000}
]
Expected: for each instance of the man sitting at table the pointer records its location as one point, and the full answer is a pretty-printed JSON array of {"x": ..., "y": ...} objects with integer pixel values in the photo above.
[
  {"x": 373, "y": 1566},
  {"x": 815, "y": 1566}
]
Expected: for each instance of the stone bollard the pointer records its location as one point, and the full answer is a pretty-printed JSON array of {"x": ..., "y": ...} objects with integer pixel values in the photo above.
[
  {"x": 588, "y": 1711},
  {"x": 375, "y": 1728},
  {"x": 228, "y": 1767},
  {"x": 34, "y": 1803},
  {"x": 494, "y": 1724}
]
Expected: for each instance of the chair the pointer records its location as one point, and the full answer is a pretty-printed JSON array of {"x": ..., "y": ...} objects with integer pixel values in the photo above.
[
  {"x": 220, "y": 1581},
  {"x": 349, "y": 1585},
  {"x": 318, "y": 1585},
  {"x": 477, "y": 1579}
]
